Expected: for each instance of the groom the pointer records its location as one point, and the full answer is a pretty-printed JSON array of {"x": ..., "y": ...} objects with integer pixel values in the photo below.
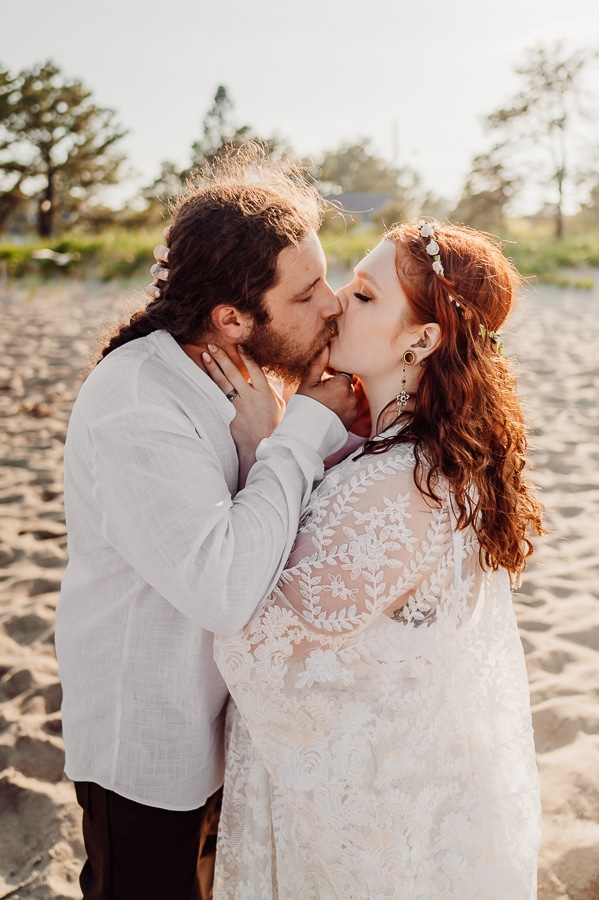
[{"x": 164, "y": 546}]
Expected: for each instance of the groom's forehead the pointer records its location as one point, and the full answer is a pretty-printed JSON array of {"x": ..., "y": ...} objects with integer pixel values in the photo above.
[{"x": 301, "y": 265}]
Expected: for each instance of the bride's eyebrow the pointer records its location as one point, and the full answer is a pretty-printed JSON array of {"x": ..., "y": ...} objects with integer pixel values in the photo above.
[{"x": 367, "y": 277}]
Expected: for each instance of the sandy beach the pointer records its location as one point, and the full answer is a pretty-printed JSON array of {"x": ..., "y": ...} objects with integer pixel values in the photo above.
[{"x": 47, "y": 337}]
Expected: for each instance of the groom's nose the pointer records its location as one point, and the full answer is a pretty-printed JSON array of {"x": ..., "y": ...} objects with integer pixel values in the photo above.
[{"x": 330, "y": 306}]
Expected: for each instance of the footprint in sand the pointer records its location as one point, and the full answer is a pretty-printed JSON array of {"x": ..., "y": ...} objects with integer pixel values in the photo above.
[
  {"x": 46, "y": 699},
  {"x": 14, "y": 683},
  {"x": 38, "y": 756},
  {"x": 34, "y": 587},
  {"x": 30, "y": 814},
  {"x": 589, "y": 637},
  {"x": 28, "y": 628},
  {"x": 558, "y": 722}
]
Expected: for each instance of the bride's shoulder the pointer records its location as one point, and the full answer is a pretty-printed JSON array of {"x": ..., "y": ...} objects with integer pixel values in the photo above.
[
  {"x": 364, "y": 469},
  {"x": 390, "y": 460}
]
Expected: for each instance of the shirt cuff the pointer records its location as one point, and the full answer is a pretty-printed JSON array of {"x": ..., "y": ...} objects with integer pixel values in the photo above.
[{"x": 313, "y": 424}]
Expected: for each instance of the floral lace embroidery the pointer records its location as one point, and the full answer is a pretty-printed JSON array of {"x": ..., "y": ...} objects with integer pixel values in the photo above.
[{"x": 381, "y": 743}]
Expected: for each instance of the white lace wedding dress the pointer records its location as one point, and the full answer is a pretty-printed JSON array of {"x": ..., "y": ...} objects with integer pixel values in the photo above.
[{"x": 380, "y": 742}]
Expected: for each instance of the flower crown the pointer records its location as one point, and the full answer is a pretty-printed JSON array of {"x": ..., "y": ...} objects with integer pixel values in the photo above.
[{"x": 432, "y": 248}]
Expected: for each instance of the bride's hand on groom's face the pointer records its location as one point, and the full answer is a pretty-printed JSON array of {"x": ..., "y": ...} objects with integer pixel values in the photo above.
[
  {"x": 336, "y": 392},
  {"x": 258, "y": 407},
  {"x": 362, "y": 423}
]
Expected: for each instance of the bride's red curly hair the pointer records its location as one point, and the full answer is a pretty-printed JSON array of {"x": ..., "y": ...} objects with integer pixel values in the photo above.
[{"x": 466, "y": 423}]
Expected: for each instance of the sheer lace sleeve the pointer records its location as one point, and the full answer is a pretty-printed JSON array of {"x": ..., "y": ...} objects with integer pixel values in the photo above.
[{"x": 370, "y": 544}]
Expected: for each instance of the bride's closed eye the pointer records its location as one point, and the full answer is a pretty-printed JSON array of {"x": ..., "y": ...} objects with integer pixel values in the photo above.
[{"x": 362, "y": 297}]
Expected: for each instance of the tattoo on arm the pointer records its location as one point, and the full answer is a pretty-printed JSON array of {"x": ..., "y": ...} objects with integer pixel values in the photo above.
[{"x": 427, "y": 616}]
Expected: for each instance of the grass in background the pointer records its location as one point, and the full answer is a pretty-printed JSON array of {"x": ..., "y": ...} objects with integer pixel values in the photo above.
[
  {"x": 114, "y": 254},
  {"x": 541, "y": 255},
  {"x": 126, "y": 254}
]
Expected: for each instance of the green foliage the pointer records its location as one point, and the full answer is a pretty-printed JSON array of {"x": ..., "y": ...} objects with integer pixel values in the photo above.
[
  {"x": 588, "y": 217},
  {"x": 533, "y": 255},
  {"x": 354, "y": 167},
  {"x": 486, "y": 193},
  {"x": 168, "y": 184},
  {"x": 375, "y": 193},
  {"x": 346, "y": 248},
  {"x": 115, "y": 254},
  {"x": 55, "y": 144},
  {"x": 126, "y": 253},
  {"x": 565, "y": 281},
  {"x": 220, "y": 134},
  {"x": 540, "y": 130},
  {"x": 218, "y": 130},
  {"x": 544, "y": 257}
]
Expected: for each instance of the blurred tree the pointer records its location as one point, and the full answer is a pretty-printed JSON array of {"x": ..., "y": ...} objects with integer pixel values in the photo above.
[
  {"x": 55, "y": 143},
  {"x": 10, "y": 201},
  {"x": 541, "y": 129},
  {"x": 487, "y": 192},
  {"x": 220, "y": 134},
  {"x": 587, "y": 218},
  {"x": 354, "y": 167},
  {"x": 370, "y": 188},
  {"x": 407, "y": 200},
  {"x": 168, "y": 184},
  {"x": 218, "y": 130},
  {"x": 433, "y": 206}
]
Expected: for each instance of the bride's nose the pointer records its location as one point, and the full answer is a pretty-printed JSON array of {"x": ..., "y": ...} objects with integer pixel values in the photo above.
[{"x": 341, "y": 295}]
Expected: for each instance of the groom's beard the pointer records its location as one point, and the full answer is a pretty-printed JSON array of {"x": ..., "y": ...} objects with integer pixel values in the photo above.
[{"x": 282, "y": 354}]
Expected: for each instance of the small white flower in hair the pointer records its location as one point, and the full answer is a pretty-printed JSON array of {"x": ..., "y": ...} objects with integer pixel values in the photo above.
[
  {"x": 426, "y": 230},
  {"x": 432, "y": 248}
]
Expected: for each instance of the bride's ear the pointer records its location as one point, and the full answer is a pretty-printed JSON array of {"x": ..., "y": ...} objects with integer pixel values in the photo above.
[{"x": 430, "y": 335}]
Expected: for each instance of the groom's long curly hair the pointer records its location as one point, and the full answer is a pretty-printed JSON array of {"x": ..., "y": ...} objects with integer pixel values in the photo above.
[
  {"x": 466, "y": 423},
  {"x": 228, "y": 229}
]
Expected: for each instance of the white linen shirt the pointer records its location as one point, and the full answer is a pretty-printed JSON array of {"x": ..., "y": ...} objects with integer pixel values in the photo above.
[{"x": 163, "y": 551}]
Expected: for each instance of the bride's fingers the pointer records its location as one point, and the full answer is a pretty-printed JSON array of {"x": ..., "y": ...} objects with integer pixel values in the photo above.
[
  {"x": 317, "y": 368},
  {"x": 161, "y": 253},
  {"x": 256, "y": 373},
  {"x": 153, "y": 291},
  {"x": 228, "y": 368},
  {"x": 159, "y": 272},
  {"x": 216, "y": 373}
]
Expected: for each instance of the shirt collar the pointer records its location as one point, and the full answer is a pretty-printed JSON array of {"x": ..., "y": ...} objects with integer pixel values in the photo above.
[{"x": 176, "y": 356}]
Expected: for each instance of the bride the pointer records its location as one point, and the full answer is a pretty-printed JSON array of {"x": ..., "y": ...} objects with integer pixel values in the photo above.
[{"x": 380, "y": 741}]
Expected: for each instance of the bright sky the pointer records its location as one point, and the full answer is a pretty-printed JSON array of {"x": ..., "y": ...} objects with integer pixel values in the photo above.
[{"x": 417, "y": 77}]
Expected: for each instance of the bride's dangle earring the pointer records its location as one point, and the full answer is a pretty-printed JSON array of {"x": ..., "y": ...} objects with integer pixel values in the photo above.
[{"x": 408, "y": 359}]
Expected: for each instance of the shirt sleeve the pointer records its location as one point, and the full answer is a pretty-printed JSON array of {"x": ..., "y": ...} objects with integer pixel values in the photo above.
[{"x": 168, "y": 511}]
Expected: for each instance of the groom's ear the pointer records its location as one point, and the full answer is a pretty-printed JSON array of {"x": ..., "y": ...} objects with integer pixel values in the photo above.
[{"x": 230, "y": 325}]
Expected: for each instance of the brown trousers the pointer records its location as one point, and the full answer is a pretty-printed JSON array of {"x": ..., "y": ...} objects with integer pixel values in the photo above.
[{"x": 137, "y": 852}]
